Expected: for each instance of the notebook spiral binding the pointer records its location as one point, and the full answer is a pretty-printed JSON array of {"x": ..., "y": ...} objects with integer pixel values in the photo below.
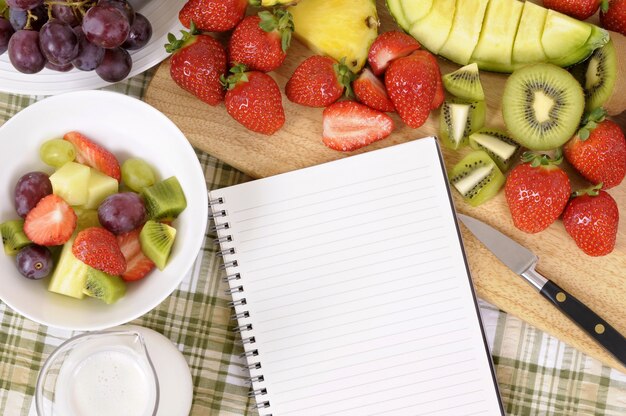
[{"x": 237, "y": 291}]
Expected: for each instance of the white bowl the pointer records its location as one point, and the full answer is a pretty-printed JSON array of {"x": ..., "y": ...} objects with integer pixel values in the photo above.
[
  {"x": 163, "y": 16},
  {"x": 127, "y": 127}
]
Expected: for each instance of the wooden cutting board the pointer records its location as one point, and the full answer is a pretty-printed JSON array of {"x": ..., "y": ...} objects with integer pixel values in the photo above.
[{"x": 598, "y": 282}]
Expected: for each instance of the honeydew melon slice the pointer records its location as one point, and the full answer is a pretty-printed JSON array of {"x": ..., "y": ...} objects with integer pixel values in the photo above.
[
  {"x": 495, "y": 47},
  {"x": 527, "y": 46},
  {"x": 466, "y": 27},
  {"x": 433, "y": 29},
  {"x": 395, "y": 8},
  {"x": 563, "y": 35},
  {"x": 414, "y": 10}
]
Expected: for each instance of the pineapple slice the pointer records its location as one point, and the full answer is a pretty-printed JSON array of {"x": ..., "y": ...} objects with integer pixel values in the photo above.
[{"x": 337, "y": 28}]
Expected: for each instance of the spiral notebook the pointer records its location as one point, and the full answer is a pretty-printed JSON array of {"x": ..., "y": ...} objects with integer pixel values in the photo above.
[{"x": 351, "y": 289}]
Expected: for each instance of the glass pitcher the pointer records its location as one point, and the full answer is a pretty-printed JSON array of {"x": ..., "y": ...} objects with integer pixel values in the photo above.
[{"x": 103, "y": 373}]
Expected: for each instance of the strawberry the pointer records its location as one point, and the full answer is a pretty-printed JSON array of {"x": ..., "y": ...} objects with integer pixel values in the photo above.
[
  {"x": 92, "y": 154},
  {"x": 318, "y": 82},
  {"x": 348, "y": 125},
  {"x": 213, "y": 15},
  {"x": 411, "y": 83},
  {"x": 137, "y": 264},
  {"x": 440, "y": 93},
  {"x": 591, "y": 219},
  {"x": 614, "y": 17},
  {"x": 197, "y": 63},
  {"x": 98, "y": 248},
  {"x": 537, "y": 192},
  {"x": 370, "y": 90},
  {"x": 51, "y": 223},
  {"x": 389, "y": 46},
  {"x": 598, "y": 151},
  {"x": 254, "y": 100},
  {"x": 578, "y": 9},
  {"x": 260, "y": 42}
]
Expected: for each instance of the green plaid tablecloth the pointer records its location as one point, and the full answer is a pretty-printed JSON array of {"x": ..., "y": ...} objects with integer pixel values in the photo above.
[{"x": 537, "y": 374}]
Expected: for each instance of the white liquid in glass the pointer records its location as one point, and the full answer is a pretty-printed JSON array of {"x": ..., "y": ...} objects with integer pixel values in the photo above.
[{"x": 106, "y": 382}]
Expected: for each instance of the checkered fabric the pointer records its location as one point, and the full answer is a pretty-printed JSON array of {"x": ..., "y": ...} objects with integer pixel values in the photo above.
[{"x": 537, "y": 374}]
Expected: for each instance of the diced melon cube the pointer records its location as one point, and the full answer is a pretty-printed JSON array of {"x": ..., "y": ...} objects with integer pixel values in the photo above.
[
  {"x": 70, "y": 183},
  {"x": 100, "y": 186},
  {"x": 70, "y": 274}
]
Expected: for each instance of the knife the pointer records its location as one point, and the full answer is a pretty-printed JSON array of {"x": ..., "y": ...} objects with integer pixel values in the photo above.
[{"x": 523, "y": 261}]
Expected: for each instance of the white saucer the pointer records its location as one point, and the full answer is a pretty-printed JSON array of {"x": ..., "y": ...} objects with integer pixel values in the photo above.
[{"x": 175, "y": 385}]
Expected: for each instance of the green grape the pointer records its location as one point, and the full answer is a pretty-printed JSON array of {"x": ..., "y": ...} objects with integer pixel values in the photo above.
[
  {"x": 57, "y": 152},
  {"x": 137, "y": 174}
]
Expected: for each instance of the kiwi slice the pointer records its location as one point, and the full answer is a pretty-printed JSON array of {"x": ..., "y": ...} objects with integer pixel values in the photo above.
[
  {"x": 476, "y": 177},
  {"x": 156, "y": 241},
  {"x": 542, "y": 105},
  {"x": 13, "y": 237},
  {"x": 465, "y": 83},
  {"x": 600, "y": 76},
  {"x": 497, "y": 144},
  {"x": 103, "y": 286},
  {"x": 164, "y": 200},
  {"x": 458, "y": 120}
]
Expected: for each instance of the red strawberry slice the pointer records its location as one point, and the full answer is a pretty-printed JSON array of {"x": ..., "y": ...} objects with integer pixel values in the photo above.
[
  {"x": 370, "y": 90},
  {"x": 389, "y": 46},
  {"x": 98, "y": 248},
  {"x": 348, "y": 125},
  {"x": 51, "y": 223},
  {"x": 440, "y": 93},
  {"x": 94, "y": 155},
  {"x": 137, "y": 264}
]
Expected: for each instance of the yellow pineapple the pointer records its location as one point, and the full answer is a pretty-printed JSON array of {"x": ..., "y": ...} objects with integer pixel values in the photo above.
[{"x": 337, "y": 28}]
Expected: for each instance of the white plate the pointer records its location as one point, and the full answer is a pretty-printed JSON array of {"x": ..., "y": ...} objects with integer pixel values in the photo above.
[
  {"x": 127, "y": 127},
  {"x": 163, "y": 15}
]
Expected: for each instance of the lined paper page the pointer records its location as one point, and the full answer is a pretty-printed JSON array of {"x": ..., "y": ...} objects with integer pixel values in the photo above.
[{"x": 357, "y": 289}]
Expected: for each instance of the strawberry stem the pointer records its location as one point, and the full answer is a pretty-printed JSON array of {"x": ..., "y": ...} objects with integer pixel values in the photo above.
[
  {"x": 345, "y": 76},
  {"x": 540, "y": 159},
  {"x": 593, "y": 191},
  {"x": 590, "y": 121},
  {"x": 188, "y": 36},
  {"x": 280, "y": 21},
  {"x": 604, "y": 6},
  {"x": 239, "y": 74}
]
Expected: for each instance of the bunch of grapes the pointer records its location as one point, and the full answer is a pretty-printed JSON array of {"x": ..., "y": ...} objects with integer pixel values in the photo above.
[{"x": 64, "y": 34}]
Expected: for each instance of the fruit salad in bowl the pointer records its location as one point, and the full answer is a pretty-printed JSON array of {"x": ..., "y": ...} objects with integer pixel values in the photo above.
[{"x": 103, "y": 211}]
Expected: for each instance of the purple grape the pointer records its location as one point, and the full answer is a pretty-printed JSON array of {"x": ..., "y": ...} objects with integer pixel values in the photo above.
[
  {"x": 124, "y": 6},
  {"x": 115, "y": 66},
  {"x": 89, "y": 55},
  {"x": 29, "y": 189},
  {"x": 24, "y": 4},
  {"x": 59, "y": 68},
  {"x": 106, "y": 26},
  {"x": 65, "y": 14},
  {"x": 24, "y": 52},
  {"x": 58, "y": 42},
  {"x": 140, "y": 33},
  {"x": 121, "y": 213},
  {"x": 19, "y": 18},
  {"x": 34, "y": 262},
  {"x": 6, "y": 30}
]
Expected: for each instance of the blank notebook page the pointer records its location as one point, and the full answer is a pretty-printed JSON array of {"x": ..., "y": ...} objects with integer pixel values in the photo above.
[{"x": 357, "y": 289}]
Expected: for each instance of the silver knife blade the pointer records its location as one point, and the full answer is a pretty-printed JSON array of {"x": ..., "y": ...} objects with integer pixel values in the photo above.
[{"x": 514, "y": 255}]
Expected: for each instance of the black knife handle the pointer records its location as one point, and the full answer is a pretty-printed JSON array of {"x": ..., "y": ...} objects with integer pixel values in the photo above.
[{"x": 587, "y": 319}]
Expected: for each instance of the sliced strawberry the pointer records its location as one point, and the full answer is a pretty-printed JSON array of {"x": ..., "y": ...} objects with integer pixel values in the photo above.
[
  {"x": 94, "y": 155},
  {"x": 137, "y": 264},
  {"x": 98, "y": 248},
  {"x": 389, "y": 46},
  {"x": 370, "y": 90},
  {"x": 440, "y": 93},
  {"x": 348, "y": 125},
  {"x": 51, "y": 222}
]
